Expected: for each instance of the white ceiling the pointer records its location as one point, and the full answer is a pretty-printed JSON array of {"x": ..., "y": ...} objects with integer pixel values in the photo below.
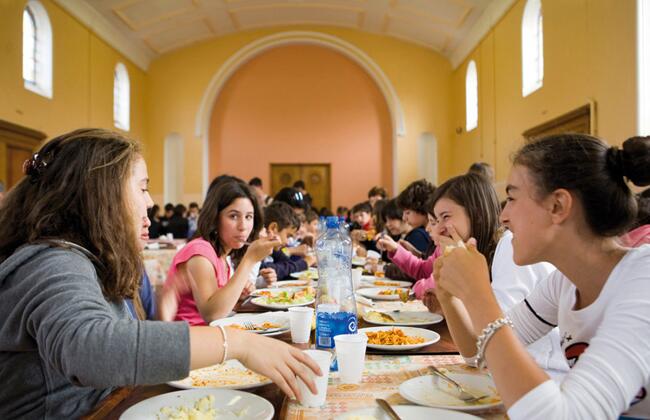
[{"x": 149, "y": 28}]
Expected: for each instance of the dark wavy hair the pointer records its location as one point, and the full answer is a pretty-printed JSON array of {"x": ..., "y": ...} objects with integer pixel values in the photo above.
[
  {"x": 282, "y": 214},
  {"x": 416, "y": 196},
  {"x": 594, "y": 172},
  {"x": 476, "y": 194},
  {"x": 76, "y": 190},
  {"x": 218, "y": 198}
]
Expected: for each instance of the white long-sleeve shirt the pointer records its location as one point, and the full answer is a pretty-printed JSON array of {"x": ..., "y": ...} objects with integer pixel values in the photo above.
[
  {"x": 511, "y": 284},
  {"x": 607, "y": 345}
]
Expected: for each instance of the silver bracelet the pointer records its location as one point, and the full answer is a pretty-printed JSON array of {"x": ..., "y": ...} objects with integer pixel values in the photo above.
[
  {"x": 485, "y": 337},
  {"x": 225, "y": 343}
]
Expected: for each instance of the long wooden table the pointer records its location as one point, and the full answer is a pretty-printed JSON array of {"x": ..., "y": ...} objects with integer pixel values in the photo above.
[{"x": 123, "y": 398}]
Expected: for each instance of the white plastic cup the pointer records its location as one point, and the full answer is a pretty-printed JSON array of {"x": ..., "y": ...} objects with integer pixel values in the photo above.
[
  {"x": 351, "y": 356},
  {"x": 307, "y": 399},
  {"x": 300, "y": 318},
  {"x": 356, "y": 277}
]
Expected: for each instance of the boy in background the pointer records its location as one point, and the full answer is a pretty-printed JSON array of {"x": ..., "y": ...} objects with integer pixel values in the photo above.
[{"x": 281, "y": 221}]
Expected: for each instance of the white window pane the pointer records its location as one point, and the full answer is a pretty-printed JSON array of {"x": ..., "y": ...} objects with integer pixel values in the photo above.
[
  {"x": 532, "y": 47},
  {"x": 643, "y": 63},
  {"x": 37, "y": 49},
  {"x": 29, "y": 46},
  {"x": 471, "y": 97},
  {"x": 121, "y": 98}
]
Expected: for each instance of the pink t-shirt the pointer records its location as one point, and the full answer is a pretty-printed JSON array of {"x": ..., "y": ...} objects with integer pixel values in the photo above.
[
  {"x": 187, "y": 310},
  {"x": 416, "y": 268}
]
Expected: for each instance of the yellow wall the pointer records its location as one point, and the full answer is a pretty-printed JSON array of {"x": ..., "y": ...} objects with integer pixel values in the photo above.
[
  {"x": 178, "y": 80},
  {"x": 589, "y": 54},
  {"x": 82, "y": 77}
]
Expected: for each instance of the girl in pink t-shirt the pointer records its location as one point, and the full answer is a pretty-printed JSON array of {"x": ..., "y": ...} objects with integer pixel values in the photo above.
[
  {"x": 470, "y": 204},
  {"x": 200, "y": 287}
]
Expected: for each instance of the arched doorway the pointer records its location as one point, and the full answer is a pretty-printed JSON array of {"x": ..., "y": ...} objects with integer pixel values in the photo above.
[
  {"x": 303, "y": 104},
  {"x": 204, "y": 115}
]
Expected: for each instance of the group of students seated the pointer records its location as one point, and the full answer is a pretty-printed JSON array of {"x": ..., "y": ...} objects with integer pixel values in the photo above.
[{"x": 546, "y": 292}]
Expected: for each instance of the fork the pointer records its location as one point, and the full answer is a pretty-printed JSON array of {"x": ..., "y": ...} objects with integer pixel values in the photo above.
[
  {"x": 464, "y": 395},
  {"x": 249, "y": 326}
]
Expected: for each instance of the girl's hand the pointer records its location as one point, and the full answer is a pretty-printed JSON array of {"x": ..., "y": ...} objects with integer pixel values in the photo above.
[
  {"x": 358, "y": 235},
  {"x": 386, "y": 243},
  {"x": 269, "y": 275},
  {"x": 431, "y": 301},
  {"x": 247, "y": 290},
  {"x": 462, "y": 270},
  {"x": 275, "y": 359},
  {"x": 262, "y": 248}
]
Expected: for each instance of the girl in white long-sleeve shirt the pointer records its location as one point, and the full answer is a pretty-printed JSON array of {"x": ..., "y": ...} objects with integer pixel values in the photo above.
[{"x": 567, "y": 202}]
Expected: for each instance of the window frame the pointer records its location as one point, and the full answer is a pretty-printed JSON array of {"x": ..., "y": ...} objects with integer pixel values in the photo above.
[
  {"x": 41, "y": 81},
  {"x": 532, "y": 47}
]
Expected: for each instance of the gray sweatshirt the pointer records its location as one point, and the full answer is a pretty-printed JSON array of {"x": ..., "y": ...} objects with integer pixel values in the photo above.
[{"x": 63, "y": 346}]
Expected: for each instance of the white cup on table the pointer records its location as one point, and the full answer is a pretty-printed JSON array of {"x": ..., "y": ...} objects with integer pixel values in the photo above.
[
  {"x": 351, "y": 356},
  {"x": 300, "y": 318},
  {"x": 356, "y": 277},
  {"x": 307, "y": 399}
]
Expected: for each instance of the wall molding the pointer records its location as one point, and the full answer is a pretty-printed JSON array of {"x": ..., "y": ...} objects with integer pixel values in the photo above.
[
  {"x": 98, "y": 24},
  {"x": 257, "y": 47},
  {"x": 488, "y": 20}
]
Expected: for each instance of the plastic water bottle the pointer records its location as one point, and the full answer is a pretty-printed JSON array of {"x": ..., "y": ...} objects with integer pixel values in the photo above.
[{"x": 336, "y": 309}]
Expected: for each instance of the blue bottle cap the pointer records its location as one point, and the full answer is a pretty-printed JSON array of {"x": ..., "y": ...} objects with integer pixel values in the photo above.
[{"x": 332, "y": 222}]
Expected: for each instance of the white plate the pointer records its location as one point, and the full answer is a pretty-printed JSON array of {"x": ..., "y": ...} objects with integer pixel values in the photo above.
[
  {"x": 406, "y": 318},
  {"x": 228, "y": 402},
  {"x": 229, "y": 375},
  {"x": 258, "y": 292},
  {"x": 430, "y": 337},
  {"x": 279, "y": 318},
  {"x": 261, "y": 301},
  {"x": 383, "y": 282},
  {"x": 282, "y": 284},
  {"x": 358, "y": 261},
  {"x": 311, "y": 273},
  {"x": 424, "y": 390},
  {"x": 407, "y": 412},
  {"x": 373, "y": 293}
]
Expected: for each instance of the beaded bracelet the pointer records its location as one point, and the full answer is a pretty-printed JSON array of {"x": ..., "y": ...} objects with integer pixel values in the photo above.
[
  {"x": 225, "y": 343},
  {"x": 485, "y": 337}
]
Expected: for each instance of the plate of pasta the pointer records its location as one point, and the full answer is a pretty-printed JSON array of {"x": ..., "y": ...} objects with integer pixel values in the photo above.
[
  {"x": 309, "y": 274},
  {"x": 386, "y": 293},
  {"x": 229, "y": 375},
  {"x": 399, "y": 339}
]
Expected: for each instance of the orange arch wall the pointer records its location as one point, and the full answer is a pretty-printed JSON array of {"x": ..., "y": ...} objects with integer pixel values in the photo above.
[{"x": 303, "y": 104}]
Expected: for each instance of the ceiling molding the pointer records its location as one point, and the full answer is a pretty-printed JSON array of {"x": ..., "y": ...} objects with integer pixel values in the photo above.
[
  {"x": 90, "y": 17},
  {"x": 140, "y": 49},
  {"x": 490, "y": 17}
]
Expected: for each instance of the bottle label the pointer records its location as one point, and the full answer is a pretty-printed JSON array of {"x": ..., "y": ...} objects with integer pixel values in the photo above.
[{"x": 331, "y": 324}]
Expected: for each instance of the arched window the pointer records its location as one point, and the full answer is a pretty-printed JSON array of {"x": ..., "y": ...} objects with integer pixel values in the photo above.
[
  {"x": 471, "y": 97},
  {"x": 121, "y": 98},
  {"x": 643, "y": 63},
  {"x": 532, "y": 47},
  {"x": 37, "y": 49}
]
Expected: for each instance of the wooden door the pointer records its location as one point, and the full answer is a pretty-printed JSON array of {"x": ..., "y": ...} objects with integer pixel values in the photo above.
[
  {"x": 315, "y": 176},
  {"x": 16, "y": 156},
  {"x": 17, "y": 144}
]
